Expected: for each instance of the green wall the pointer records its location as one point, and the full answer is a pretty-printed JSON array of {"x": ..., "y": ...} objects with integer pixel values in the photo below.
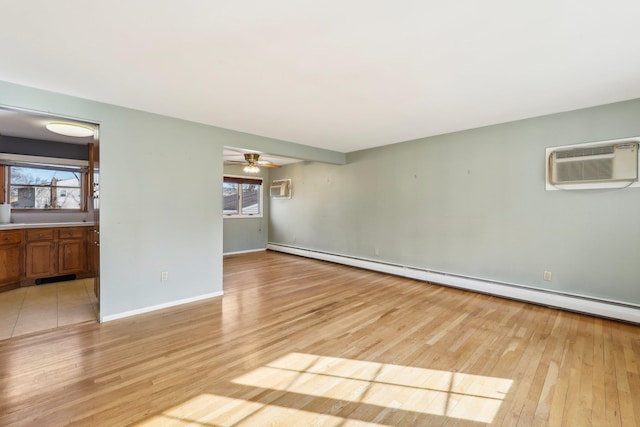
[
  {"x": 474, "y": 203},
  {"x": 160, "y": 198}
]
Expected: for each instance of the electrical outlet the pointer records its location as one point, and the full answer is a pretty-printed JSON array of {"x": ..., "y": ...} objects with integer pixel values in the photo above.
[
  {"x": 164, "y": 276},
  {"x": 377, "y": 251},
  {"x": 547, "y": 276}
]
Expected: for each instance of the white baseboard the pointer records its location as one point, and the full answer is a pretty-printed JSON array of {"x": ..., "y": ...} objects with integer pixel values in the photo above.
[
  {"x": 571, "y": 302},
  {"x": 244, "y": 252},
  {"x": 159, "y": 307}
]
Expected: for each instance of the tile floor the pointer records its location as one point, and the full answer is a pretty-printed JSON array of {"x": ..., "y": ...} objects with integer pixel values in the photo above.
[{"x": 38, "y": 308}]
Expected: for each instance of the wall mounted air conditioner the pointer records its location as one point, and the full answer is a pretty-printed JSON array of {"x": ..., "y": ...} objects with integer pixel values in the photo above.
[
  {"x": 281, "y": 189},
  {"x": 606, "y": 164}
]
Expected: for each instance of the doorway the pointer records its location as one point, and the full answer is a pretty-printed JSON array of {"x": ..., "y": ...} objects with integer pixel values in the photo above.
[{"x": 51, "y": 181}]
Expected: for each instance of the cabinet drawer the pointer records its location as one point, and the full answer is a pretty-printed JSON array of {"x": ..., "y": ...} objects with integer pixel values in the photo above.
[
  {"x": 10, "y": 237},
  {"x": 36, "y": 234},
  {"x": 72, "y": 232}
]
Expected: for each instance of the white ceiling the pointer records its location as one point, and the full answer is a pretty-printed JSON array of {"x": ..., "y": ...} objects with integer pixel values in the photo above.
[{"x": 342, "y": 75}]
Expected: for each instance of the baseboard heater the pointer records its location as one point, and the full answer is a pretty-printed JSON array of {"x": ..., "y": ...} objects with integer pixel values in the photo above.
[
  {"x": 571, "y": 302},
  {"x": 54, "y": 279}
]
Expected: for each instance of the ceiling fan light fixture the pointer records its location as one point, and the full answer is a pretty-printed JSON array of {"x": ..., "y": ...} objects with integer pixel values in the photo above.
[
  {"x": 251, "y": 169},
  {"x": 69, "y": 129}
]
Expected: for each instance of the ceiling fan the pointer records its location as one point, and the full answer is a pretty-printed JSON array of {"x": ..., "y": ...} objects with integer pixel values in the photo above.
[{"x": 253, "y": 163}]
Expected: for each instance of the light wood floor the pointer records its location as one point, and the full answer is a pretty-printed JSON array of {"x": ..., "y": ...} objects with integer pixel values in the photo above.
[
  {"x": 299, "y": 342},
  {"x": 39, "y": 308}
]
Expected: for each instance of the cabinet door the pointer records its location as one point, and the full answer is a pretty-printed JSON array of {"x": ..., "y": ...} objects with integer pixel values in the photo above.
[
  {"x": 10, "y": 264},
  {"x": 11, "y": 258},
  {"x": 41, "y": 260},
  {"x": 72, "y": 256}
]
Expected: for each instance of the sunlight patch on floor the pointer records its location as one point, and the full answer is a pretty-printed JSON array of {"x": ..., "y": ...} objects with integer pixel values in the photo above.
[
  {"x": 322, "y": 386},
  {"x": 427, "y": 391},
  {"x": 213, "y": 410}
]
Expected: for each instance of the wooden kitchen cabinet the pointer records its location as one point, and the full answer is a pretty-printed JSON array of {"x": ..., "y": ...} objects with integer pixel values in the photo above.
[
  {"x": 72, "y": 250},
  {"x": 40, "y": 253},
  {"x": 37, "y": 253},
  {"x": 56, "y": 251},
  {"x": 41, "y": 261},
  {"x": 11, "y": 258}
]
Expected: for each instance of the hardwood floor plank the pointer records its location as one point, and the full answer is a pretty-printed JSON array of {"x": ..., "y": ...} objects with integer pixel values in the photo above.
[
  {"x": 598, "y": 406},
  {"x": 295, "y": 341},
  {"x": 612, "y": 398}
]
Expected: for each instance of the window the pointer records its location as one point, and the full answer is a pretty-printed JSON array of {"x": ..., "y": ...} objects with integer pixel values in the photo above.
[
  {"x": 242, "y": 196},
  {"x": 45, "y": 187}
]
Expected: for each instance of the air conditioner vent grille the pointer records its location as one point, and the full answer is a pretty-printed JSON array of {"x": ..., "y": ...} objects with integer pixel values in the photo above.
[
  {"x": 581, "y": 152},
  {"x": 587, "y": 170}
]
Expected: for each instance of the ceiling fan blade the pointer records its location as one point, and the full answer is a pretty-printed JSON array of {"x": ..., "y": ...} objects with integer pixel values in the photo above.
[{"x": 269, "y": 165}]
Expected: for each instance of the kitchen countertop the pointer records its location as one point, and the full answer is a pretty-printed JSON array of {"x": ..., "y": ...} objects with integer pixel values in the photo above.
[{"x": 12, "y": 226}]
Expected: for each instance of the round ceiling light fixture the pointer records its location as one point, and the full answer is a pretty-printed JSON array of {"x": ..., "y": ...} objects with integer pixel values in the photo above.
[
  {"x": 251, "y": 168},
  {"x": 69, "y": 129}
]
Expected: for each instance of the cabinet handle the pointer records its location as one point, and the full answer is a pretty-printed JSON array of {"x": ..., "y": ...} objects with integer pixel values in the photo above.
[{"x": 39, "y": 234}]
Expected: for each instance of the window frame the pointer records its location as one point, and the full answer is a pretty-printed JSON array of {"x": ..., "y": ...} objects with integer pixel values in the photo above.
[
  {"x": 79, "y": 166},
  {"x": 239, "y": 179}
]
